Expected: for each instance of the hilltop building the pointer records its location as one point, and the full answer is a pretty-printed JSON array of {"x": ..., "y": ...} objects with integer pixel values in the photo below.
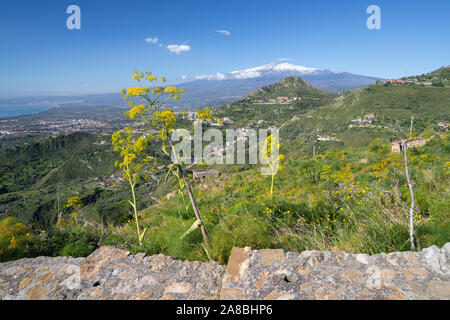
[
  {"x": 444, "y": 125},
  {"x": 201, "y": 174},
  {"x": 396, "y": 146},
  {"x": 395, "y": 81}
]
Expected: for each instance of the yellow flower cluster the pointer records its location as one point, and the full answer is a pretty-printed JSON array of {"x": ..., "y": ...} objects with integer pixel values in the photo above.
[
  {"x": 168, "y": 117},
  {"x": 268, "y": 210},
  {"x": 157, "y": 90},
  {"x": 137, "y": 111},
  {"x": 74, "y": 202},
  {"x": 138, "y": 76},
  {"x": 268, "y": 153},
  {"x": 65, "y": 222},
  {"x": 135, "y": 91},
  {"x": 429, "y": 158},
  {"x": 171, "y": 90},
  {"x": 141, "y": 144},
  {"x": 128, "y": 159},
  {"x": 205, "y": 114},
  {"x": 447, "y": 167}
]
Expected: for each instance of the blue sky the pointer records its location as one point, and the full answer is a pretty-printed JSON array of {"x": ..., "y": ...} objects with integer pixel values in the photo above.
[{"x": 40, "y": 56}]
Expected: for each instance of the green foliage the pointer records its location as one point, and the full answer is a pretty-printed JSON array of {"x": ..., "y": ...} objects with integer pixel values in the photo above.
[
  {"x": 79, "y": 248},
  {"x": 352, "y": 194},
  {"x": 76, "y": 242},
  {"x": 288, "y": 87},
  {"x": 40, "y": 176},
  {"x": 301, "y": 123},
  {"x": 14, "y": 238},
  {"x": 356, "y": 199},
  {"x": 18, "y": 241}
]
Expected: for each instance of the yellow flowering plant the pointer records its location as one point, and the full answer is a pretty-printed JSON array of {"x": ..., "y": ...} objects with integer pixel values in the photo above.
[
  {"x": 146, "y": 102},
  {"x": 147, "y": 107},
  {"x": 272, "y": 158},
  {"x": 133, "y": 160},
  {"x": 206, "y": 115},
  {"x": 14, "y": 237},
  {"x": 72, "y": 205}
]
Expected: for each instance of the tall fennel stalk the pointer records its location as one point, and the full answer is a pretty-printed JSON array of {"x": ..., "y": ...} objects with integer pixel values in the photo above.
[
  {"x": 147, "y": 107},
  {"x": 134, "y": 206},
  {"x": 272, "y": 158}
]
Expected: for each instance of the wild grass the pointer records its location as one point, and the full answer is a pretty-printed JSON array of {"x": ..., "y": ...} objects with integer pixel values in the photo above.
[{"x": 355, "y": 199}]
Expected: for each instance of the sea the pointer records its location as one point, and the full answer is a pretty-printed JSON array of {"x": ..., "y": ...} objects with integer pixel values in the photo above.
[{"x": 8, "y": 110}]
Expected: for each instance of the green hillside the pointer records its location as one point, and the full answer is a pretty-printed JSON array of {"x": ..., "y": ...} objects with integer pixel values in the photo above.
[
  {"x": 332, "y": 122},
  {"x": 38, "y": 177},
  {"x": 346, "y": 118},
  {"x": 262, "y": 109},
  {"x": 356, "y": 199},
  {"x": 438, "y": 78},
  {"x": 288, "y": 87}
]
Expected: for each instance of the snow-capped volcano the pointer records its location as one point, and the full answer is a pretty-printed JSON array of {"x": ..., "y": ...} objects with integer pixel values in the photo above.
[
  {"x": 221, "y": 88},
  {"x": 261, "y": 71},
  {"x": 281, "y": 66}
]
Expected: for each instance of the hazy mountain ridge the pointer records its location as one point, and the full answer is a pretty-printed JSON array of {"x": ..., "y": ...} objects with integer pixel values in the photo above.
[{"x": 220, "y": 89}]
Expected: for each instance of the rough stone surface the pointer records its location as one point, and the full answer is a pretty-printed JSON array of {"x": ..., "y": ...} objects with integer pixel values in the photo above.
[
  {"x": 110, "y": 273},
  {"x": 271, "y": 274}
]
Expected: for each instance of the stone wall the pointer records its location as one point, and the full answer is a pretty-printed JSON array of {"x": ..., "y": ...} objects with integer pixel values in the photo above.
[{"x": 111, "y": 273}]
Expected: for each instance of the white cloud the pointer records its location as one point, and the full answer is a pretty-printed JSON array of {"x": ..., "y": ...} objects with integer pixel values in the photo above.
[
  {"x": 224, "y": 32},
  {"x": 218, "y": 76},
  {"x": 283, "y": 59},
  {"x": 183, "y": 77},
  {"x": 178, "y": 48},
  {"x": 151, "y": 40}
]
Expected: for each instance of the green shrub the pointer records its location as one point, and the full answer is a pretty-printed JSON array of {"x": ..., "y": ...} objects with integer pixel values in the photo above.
[
  {"x": 79, "y": 248},
  {"x": 14, "y": 239}
]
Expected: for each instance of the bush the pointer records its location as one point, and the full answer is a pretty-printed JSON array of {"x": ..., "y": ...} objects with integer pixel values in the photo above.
[
  {"x": 14, "y": 238},
  {"x": 79, "y": 248}
]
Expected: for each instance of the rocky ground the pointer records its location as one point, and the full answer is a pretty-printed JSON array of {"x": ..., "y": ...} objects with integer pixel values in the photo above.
[{"x": 111, "y": 273}]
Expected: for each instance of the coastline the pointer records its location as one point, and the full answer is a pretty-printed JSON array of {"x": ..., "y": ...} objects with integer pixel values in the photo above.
[{"x": 12, "y": 111}]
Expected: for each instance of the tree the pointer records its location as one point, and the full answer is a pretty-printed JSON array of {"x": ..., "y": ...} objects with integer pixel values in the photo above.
[{"x": 410, "y": 185}]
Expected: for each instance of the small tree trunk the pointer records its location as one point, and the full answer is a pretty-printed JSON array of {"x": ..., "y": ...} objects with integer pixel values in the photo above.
[
  {"x": 411, "y": 127},
  {"x": 411, "y": 191},
  {"x": 58, "y": 209},
  {"x": 192, "y": 199}
]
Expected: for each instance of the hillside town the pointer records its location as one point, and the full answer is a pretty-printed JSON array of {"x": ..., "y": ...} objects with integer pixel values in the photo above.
[{"x": 13, "y": 127}]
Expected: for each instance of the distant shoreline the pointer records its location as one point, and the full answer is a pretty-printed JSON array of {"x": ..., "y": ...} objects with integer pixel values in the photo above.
[{"x": 13, "y": 111}]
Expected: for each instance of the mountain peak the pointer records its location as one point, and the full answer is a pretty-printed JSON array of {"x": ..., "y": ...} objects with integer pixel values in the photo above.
[
  {"x": 280, "y": 66},
  {"x": 290, "y": 86},
  {"x": 275, "y": 67}
]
